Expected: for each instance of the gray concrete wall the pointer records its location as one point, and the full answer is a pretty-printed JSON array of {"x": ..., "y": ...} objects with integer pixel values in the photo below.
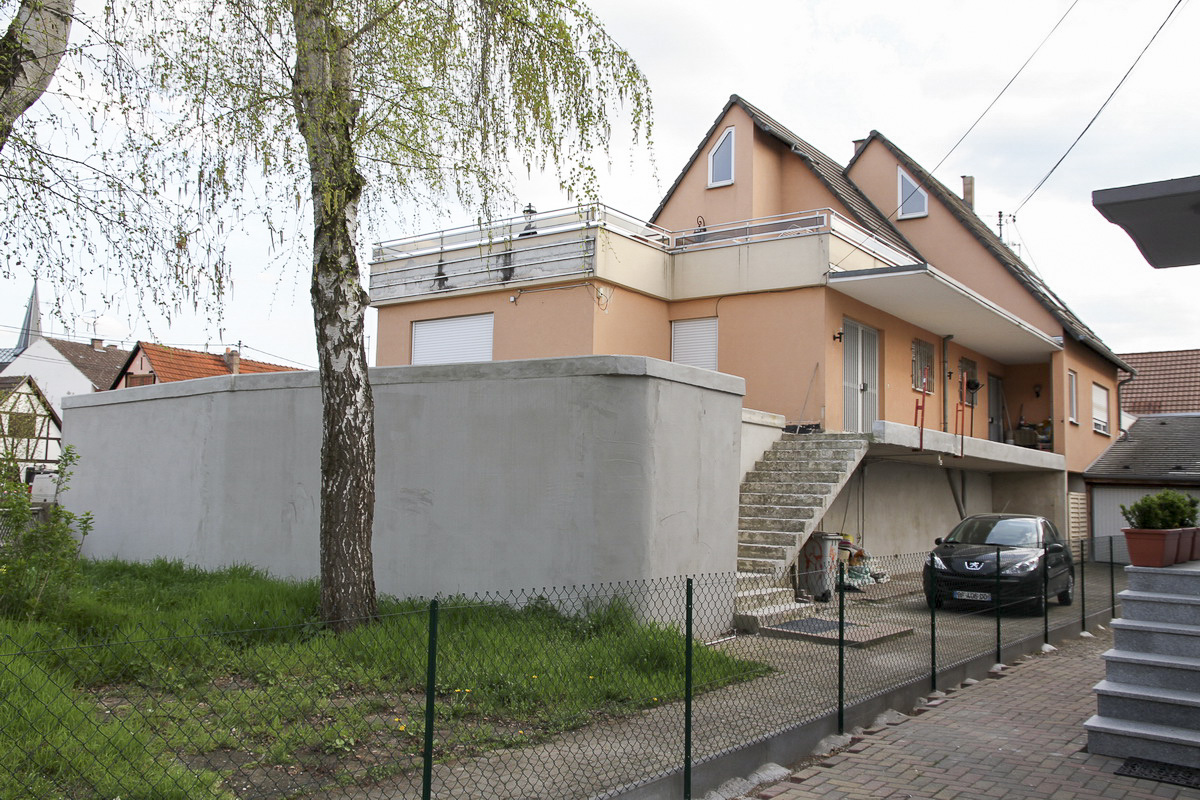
[
  {"x": 760, "y": 430},
  {"x": 891, "y": 507},
  {"x": 1043, "y": 493},
  {"x": 499, "y": 476}
]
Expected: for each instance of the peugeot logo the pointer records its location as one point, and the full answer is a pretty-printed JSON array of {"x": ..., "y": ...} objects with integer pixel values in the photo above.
[{"x": 975, "y": 565}]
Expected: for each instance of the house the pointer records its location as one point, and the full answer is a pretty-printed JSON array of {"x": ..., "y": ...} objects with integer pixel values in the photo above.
[
  {"x": 149, "y": 363},
  {"x": 1167, "y": 382},
  {"x": 30, "y": 429},
  {"x": 1159, "y": 451},
  {"x": 63, "y": 368},
  {"x": 868, "y": 302}
]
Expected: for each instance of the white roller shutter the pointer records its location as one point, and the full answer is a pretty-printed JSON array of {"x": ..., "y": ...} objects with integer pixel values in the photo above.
[
  {"x": 694, "y": 342},
  {"x": 453, "y": 340}
]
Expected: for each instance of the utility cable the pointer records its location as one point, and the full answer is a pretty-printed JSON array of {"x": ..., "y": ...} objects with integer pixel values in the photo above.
[{"x": 1103, "y": 105}]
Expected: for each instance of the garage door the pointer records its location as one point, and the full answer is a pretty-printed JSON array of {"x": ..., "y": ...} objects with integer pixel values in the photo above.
[{"x": 453, "y": 340}]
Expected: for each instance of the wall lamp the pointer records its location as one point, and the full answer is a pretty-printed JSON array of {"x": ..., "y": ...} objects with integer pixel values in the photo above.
[
  {"x": 1037, "y": 390},
  {"x": 837, "y": 337}
]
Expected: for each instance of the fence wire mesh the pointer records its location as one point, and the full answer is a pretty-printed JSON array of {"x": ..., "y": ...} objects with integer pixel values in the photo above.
[{"x": 558, "y": 693}]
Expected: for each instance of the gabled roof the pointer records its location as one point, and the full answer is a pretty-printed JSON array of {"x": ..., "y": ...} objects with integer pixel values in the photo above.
[
  {"x": 1000, "y": 251},
  {"x": 11, "y": 383},
  {"x": 1158, "y": 448},
  {"x": 825, "y": 168},
  {"x": 176, "y": 364},
  {"x": 1167, "y": 381},
  {"x": 99, "y": 366}
]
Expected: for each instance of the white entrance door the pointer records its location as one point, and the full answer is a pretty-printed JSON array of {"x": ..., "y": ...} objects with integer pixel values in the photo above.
[{"x": 860, "y": 376}]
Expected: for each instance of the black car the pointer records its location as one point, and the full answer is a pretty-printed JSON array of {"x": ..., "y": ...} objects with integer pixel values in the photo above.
[{"x": 963, "y": 566}]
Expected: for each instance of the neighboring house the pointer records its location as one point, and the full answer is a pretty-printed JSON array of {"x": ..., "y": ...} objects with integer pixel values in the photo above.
[
  {"x": 149, "y": 364},
  {"x": 867, "y": 299},
  {"x": 62, "y": 368},
  {"x": 1167, "y": 382},
  {"x": 1159, "y": 451},
  {"x": 30, "y": 430}
]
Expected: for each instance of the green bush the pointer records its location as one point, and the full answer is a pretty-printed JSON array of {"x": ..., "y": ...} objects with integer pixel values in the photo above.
[
  {"x": 1167, "y": 509},
  {"x": 39, "y": 557}
]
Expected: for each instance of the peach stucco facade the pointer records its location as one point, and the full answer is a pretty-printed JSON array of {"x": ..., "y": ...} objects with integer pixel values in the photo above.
[{"x": 760, "y": 255}]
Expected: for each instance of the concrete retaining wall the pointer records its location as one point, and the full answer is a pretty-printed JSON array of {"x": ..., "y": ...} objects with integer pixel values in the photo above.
[{"x": 497, "y": 476}]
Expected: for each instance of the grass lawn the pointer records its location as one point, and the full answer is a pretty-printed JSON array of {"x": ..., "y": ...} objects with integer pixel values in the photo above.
[{"x": 163, "y": 681}]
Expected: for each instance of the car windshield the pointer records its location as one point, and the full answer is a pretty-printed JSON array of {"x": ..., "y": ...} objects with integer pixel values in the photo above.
[{"x": 1021, "y": 532}]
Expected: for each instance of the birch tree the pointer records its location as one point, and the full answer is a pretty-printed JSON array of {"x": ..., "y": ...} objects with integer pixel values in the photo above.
[
  {"x": 29, "y": 54},
  {"x": 338, "y": 108}
]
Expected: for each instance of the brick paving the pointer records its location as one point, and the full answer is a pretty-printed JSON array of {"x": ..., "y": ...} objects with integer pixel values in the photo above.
[{"x": 1016, "y": 736}]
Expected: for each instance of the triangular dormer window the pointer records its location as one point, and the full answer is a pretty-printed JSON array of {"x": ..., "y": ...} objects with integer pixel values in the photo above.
[
  {"x": 720, "y": 161},
  {"x": 913, "y": 200}
]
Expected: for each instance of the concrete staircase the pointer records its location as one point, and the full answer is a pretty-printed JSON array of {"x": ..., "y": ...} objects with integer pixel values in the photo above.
[
  {"x": 1148, "y": 706},
  {"x": 783, "y": 498}
]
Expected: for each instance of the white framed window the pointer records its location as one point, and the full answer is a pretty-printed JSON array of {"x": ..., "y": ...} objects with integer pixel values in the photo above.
[
  {"x": 913, "y": 201},
  {"x": 720, "y": 160},
  {"x": 1099, "y": 408},
  {"x": 694, "y": 342},
  {"x": 923, "y": 373},
  {"x": 1072, "y": 396},
  {"x": 452, "y": 340}
]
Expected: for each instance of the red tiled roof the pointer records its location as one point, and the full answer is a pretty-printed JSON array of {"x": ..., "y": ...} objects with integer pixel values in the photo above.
[
  {"x": 174, "y": 364},
  {"x": 1167, "y": 382}
]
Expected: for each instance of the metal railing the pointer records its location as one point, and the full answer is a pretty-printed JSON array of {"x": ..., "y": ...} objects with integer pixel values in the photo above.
[{"x": 578, "y": 692}]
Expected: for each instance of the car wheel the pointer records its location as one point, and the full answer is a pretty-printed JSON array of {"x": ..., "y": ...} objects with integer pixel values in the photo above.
[{"x": 1067, "y": 596}]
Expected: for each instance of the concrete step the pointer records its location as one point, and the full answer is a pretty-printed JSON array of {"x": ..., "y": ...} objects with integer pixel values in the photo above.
[
  {"x": 1147, "y": 704},
  {"x": 750, "y": 600},
  {"x": 781, "y": 498},
  {"x": 762, "y": 551},
  {"x": 760, "y": 566},
  {"x": 861, "y": 439},
  {"x": 792, "y": 476},
  {"x": 769, "y": 482},
  {"x": 1163, "y": 638},
  {"x": 1180, "y": 579},
  {"x": 1124, "y": 738},
  {"x": 818, "y": 450},
  {"x": 772, "y": 615},
  {"x": 779, "y": 538},
  {"x": 773, "y": 460},
  {"x": 776, "y": 512},
  {"x": 759, "y": 580},
  {"x": 1150, "y": 669},
  {"x": 772, "y": 524},
  {"x": 1158, "y": 607}
]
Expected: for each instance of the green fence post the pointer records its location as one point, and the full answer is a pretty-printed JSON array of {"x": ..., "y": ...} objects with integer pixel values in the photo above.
[
  {"x": 1082, "y": 585},
  {"x": 841, "y": 590},
  {"x": 1112, "y": 580},
  {"x": 999, "y": 639},
  {"x": 430, "y": 683},
  {"x": 687, "y": 701},
  {"x": 1045, "y": 595},
  {"x": 933, "y": 604}
]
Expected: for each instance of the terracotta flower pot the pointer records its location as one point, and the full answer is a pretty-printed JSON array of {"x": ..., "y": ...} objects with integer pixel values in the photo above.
[
  {"x": 1152, "y": 548},
  {"x": 1187, "y": 537}
]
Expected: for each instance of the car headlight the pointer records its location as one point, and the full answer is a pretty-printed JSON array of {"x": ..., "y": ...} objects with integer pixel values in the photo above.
[
  {"x": 936, "y": 562},
  {"x": 1022, "y": 567}
]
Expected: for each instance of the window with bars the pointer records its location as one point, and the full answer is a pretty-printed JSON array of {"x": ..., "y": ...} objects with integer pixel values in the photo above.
[{"x": 923, "y": 374}]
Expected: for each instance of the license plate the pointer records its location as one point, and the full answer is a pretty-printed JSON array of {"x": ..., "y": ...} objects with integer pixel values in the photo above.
[{"x": 972, "y": 596}]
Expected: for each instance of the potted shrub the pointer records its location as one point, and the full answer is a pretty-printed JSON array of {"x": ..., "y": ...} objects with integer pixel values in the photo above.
[{"x": 1156, "y": 524}]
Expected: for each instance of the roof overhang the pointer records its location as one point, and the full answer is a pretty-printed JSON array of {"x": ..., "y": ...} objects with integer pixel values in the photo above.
[
  {"x": 929, "y": 299},
  {"x": 1162, "y": 218}
]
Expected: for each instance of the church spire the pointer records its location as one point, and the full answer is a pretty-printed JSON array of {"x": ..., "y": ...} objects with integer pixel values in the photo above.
[{"x": 31, "y": 328}]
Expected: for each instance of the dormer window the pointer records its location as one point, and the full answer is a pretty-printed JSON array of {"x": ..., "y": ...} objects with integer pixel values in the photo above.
[
  {"x": 720, "y": 161},
  {"x": 913, "y": 200}
]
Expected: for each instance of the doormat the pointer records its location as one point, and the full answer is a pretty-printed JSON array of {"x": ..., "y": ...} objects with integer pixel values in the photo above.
[
  {"x": 825, "y": 631},
  {"x": 1158, "y": 771}
]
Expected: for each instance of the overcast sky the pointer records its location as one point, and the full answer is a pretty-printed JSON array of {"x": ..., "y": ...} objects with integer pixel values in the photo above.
[{"x": 920, "y": 72}]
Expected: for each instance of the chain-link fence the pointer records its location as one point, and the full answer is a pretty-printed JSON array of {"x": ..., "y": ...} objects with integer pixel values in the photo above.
[{"x": 568, "y": 693}]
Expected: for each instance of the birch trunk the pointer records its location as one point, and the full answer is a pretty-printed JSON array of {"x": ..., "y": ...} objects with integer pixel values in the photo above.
[
  {"x": 326, "y": 112},
  {"x": 29, "y": 54}
]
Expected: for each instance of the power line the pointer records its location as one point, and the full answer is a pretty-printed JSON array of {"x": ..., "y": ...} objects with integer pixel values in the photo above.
[{"x": 1103, "y": 105}]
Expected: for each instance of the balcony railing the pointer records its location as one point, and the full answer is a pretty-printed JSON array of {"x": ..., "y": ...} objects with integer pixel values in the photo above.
[{"x": 561, "y": 243}]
